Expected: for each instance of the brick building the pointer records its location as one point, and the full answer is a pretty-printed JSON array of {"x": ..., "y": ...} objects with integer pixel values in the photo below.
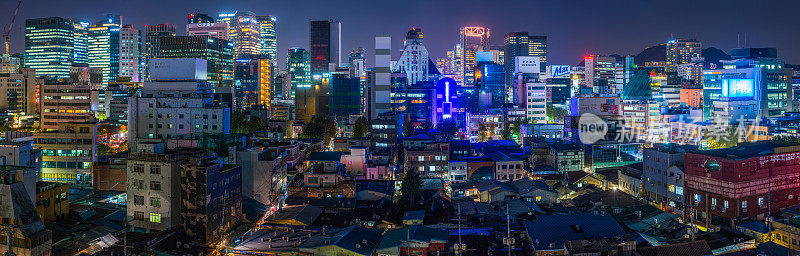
[{"x": 750, "y": 181}]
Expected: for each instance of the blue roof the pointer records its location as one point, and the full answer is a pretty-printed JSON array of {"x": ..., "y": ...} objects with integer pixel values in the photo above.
[
  {"x": 351, "y": 238},
  {"x": 551, "y": 231},
  {"x": 414, "y": 215},
  {"x": 393, "y": 238}
]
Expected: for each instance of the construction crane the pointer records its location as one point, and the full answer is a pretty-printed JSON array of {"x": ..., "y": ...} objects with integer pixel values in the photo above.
[{"x": 6, "y": 39}]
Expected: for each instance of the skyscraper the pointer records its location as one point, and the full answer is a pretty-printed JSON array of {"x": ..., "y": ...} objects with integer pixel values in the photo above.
[
  {"x": 53, "y": 45},
  {"x": 130, "y": 45},
  {"x": 472, "y": 39},
  {"x": 325, "y": 39},
  {"x": 269, "y": 36},
  {"x": 253, "y": 81},
  {"x": 152, "y": 40},
  {"x": 104, "y": 47},
  {"x": 516, "y": 44},
  {"x": 245, "y": 33},
  {"x": 298, "y": 64},
  {"x": 522, "y": 44},
  {"x": 599, "y": 73},
  {"x": 379, "y": 101},
  {"x": 537, "y": 47},
  {"x": 345, "y": 98},
  {"x": 217, "y": 52},
  {"x": 414, "y": 60},
  {"x": 199, "y": 18},
  {"x": 681, "y": 51}
]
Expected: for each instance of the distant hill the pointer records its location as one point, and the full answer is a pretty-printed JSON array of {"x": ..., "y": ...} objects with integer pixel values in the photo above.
[{"x": 659, "y": 53}]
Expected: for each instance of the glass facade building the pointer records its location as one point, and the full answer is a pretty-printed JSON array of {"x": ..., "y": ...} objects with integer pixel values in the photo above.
[
  {"x": 54, "y": 44},
  {"x": 217, "y": 52}
]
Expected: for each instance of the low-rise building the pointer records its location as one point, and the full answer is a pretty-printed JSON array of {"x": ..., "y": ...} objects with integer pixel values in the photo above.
[
  {"x": 68, "y": 153},
  {"x": 30, "y": 237},
  {"x": 566, "y": 157},
  {"x": 52, "y": 201}
]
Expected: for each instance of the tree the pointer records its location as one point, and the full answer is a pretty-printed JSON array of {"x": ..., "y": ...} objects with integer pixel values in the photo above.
[
  {"x": 320, "y": 127},
  {"x": 103, "y": 149},
  {"x": 360, "y": 127},
  {"x": 448, "y": 127},
  {"x": 410, "y": 190},
  {"x": 729, "y": 137},
  {"x": 556, "y": 115},
  {"x": 485, "y": 131}
]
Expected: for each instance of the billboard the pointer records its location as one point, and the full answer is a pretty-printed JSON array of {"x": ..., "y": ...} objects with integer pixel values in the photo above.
[
  {"x": 178, "y": 69},
  {"x": 558, "y": 71},
  {"x": 527, "y": 65},
  {"x": 600, "y": 106},
  {"x": 738, "y": 88}
]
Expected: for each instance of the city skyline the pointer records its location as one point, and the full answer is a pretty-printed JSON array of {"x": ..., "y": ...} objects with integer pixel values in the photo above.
[{"x": 634, "y": 25}]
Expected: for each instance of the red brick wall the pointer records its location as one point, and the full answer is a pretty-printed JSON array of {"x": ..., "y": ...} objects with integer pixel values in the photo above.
[{"x": 109, "y": 179}]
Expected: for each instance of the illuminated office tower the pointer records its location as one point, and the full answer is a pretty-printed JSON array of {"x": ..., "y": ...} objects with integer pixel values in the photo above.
[
  {"x": 245, "y": 33},
  {"x": 516, "y": 44},
  {"x": 681, "y": 51},
  {"x": 269, "y": 36},
  {"x": 522, "y": 44},
  {"x": 298, "y": 64},
  {"x": 215, "y": 29},
  {"x": 599, "y": 74},
  {"x": 379, "y": 90},
  {"x": 199, "y": 18},
  {"x": 217, "y": 52},
  {"x": 152, "y": 40},
  {"x": 472, "y": 39},
  {"x": 345, "y": 98},
  {"x": 538, "y": 48},
  {"x": 130, "y": 45},
  {"x": 104, "y": 47},
  {"x": 325, "y": 42},
  {"x": 253, "y": 81},
  {"x": 53, "y": 45},
  {"x": 414, "y": 60}
]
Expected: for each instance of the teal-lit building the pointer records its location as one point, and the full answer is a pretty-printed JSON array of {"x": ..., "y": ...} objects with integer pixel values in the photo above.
[
  {"x": 217, "y": 52},
  {"x": 298, "y": 63},
  {"x": 54, "y": 44},
  {"x": 769, "y": 88}
]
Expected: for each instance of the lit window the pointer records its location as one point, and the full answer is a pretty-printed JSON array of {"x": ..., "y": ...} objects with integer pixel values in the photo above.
[{"x": 155, "y": 218}]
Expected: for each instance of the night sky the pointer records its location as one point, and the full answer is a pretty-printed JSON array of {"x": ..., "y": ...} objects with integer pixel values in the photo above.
[{"x": 574, "y": 27}]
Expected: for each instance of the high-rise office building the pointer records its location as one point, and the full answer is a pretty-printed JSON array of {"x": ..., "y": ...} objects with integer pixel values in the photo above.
[
  {"x": 53, "y": 45},
  {"x": 199, "y": 18},
  {"x": 516, "y": 44},
  {"x": 104, "y": 48},
  {"x": 357, "y": 62},
  {"x": 522, "y": 44},
  {"x": 214, "y": 29},
  {"x": 298, "y": 64},
  {"x": 537, "y": 47},
  {"x": 414, "y": 61},
  {"x": 599, "y": 72},
  {"x": 253, "y": 81},
  {"x": 681, "y": 51},
  {"x": 379, "y": 98},
  {"x": 345, "y": 96},
  {"x": 245, "y": 33},
  {"x": 325, "y": 42},
  {"x": 130, "y": 46},
  {"x": 152, "y": 41},
  {"x": 472, "y": 40},
  {"x": 217, "y": 52},
  {"x": 489, "y": 79},
  {"x": 269, "y": 36}
]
